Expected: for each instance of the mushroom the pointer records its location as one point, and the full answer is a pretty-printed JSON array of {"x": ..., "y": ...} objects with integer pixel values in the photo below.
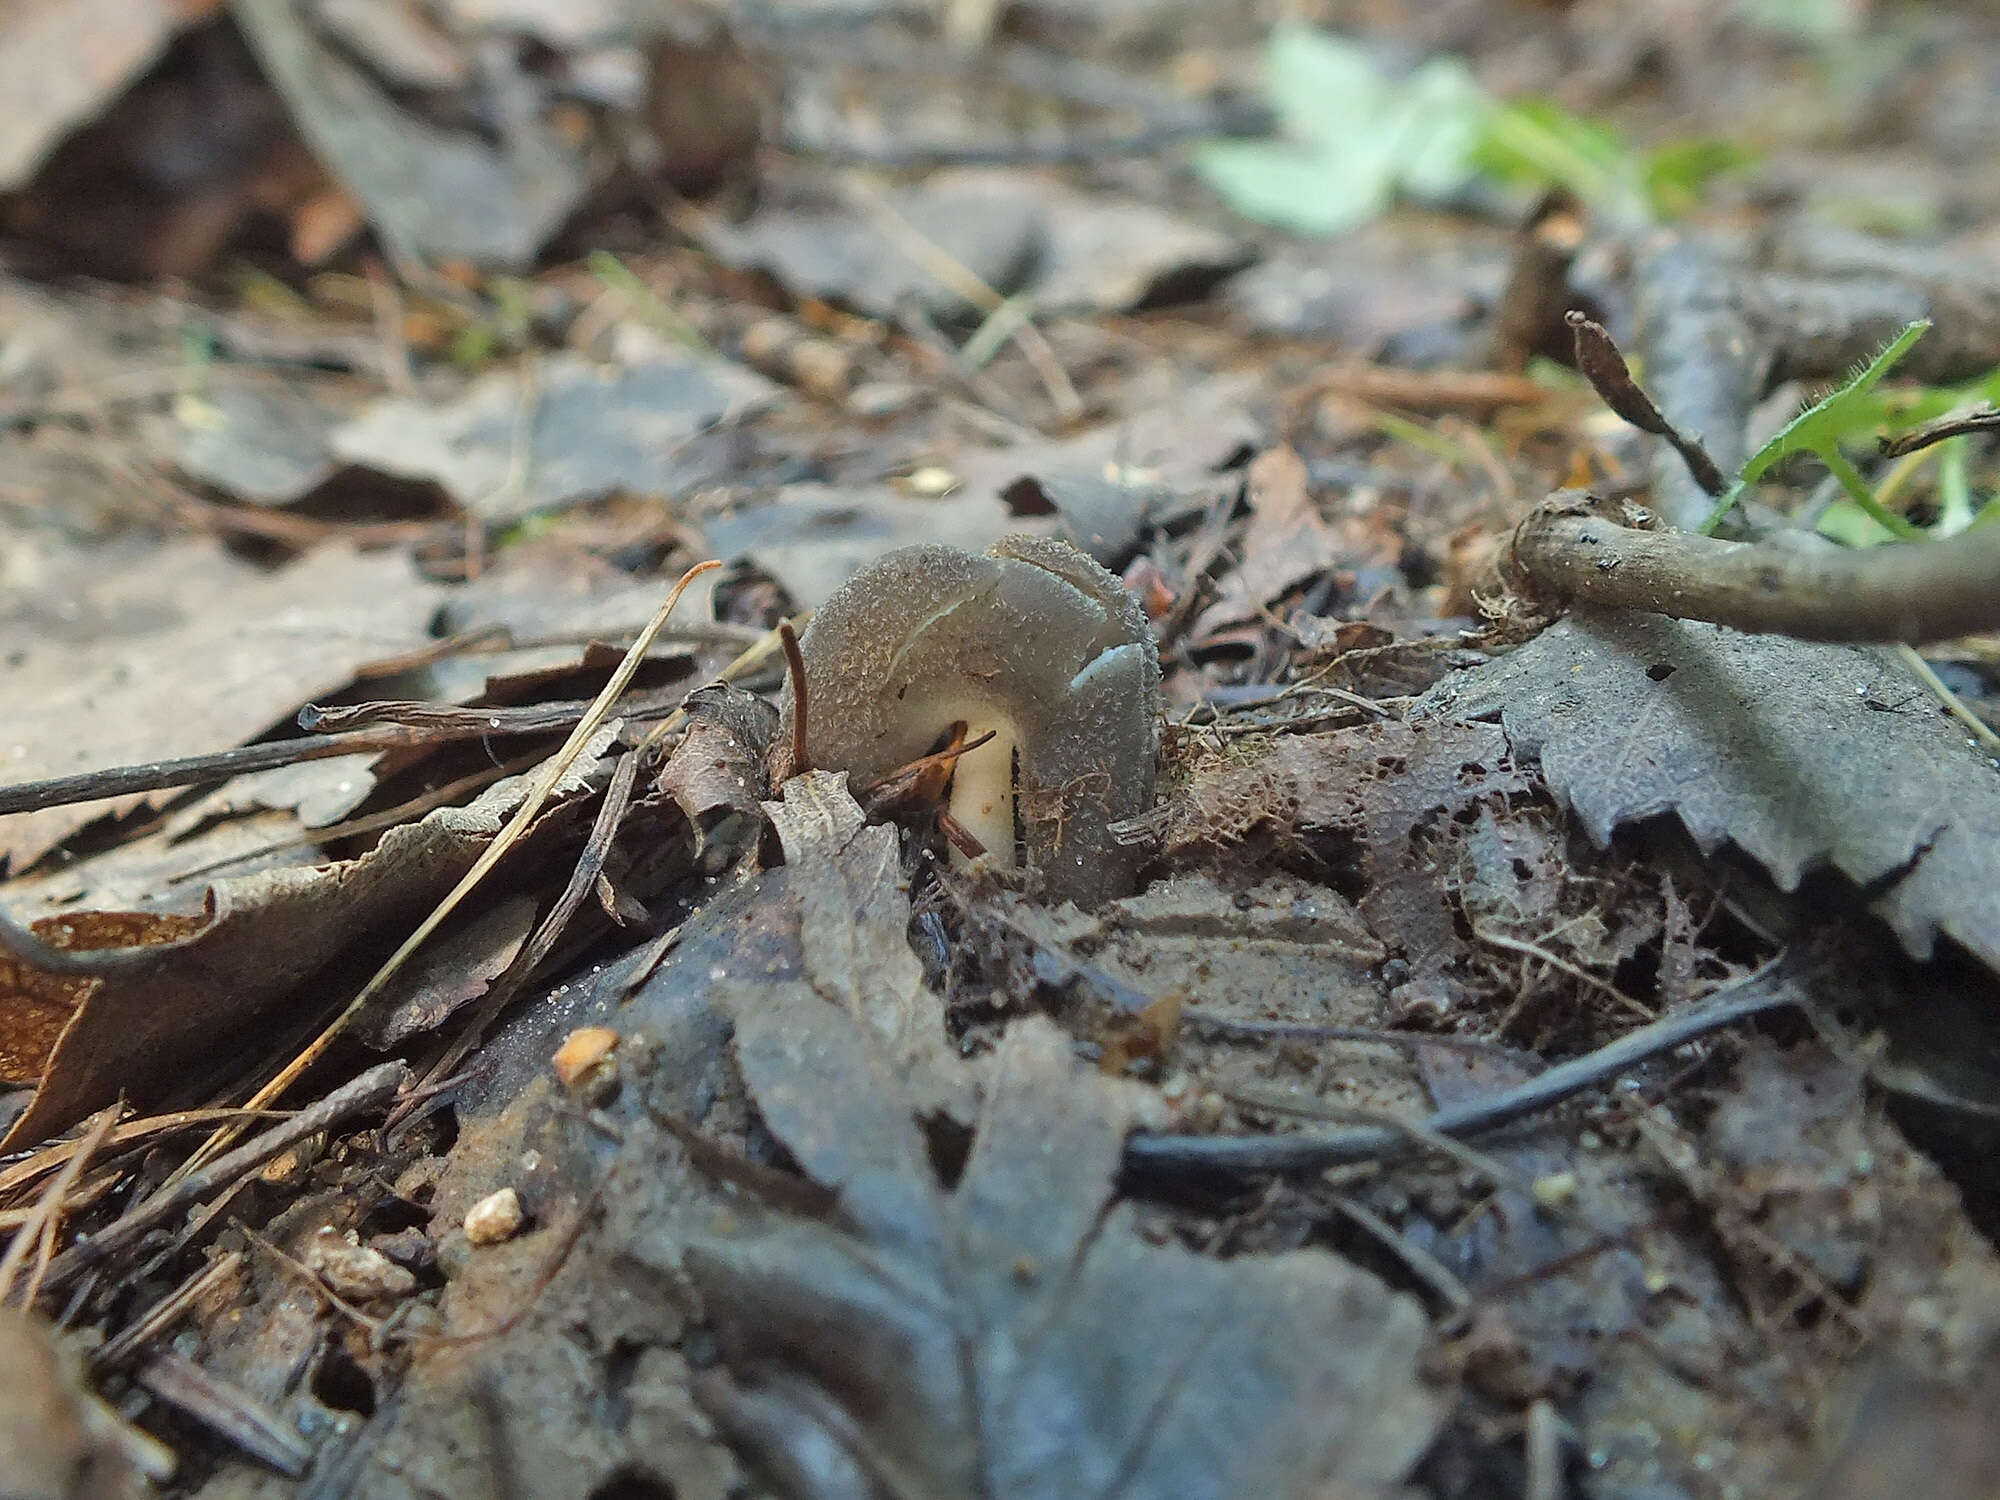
[{"x": 1033, "y": 641}]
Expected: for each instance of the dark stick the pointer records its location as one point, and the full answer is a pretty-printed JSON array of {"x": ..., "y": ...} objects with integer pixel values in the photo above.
[
  {"x": 1958, "y": 424},
  {"x": 1761, "y": 990},
  {"x": 375, "y": 1087},
  {"x": 532, "y": 718},
  {"x": 401, "y": 725},
  {"x": 795, "y": 662},
  {"x": 1912, "y": 592},
  {"x": 194, "y": 770}
]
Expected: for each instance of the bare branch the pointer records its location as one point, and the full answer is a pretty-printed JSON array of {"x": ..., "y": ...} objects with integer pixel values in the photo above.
[{"x": 1913, "y": 592}]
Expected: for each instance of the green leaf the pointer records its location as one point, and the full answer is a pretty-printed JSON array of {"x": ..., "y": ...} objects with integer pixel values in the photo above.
[
  {"x": 1849, "y": 411},
  {"x": 1808, "y": 20},
  {"x": 1353, "y": 135},
  {"x": 1851, "y": 526},
  {"x": 1677, "y": 174},
  {"x": 1538, "y": 142}
]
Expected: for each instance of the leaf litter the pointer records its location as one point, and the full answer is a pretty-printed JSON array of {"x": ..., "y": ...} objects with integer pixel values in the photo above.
[
  {"x": 832, "y": 1091},
  {"x": 979, "y": 1343}
]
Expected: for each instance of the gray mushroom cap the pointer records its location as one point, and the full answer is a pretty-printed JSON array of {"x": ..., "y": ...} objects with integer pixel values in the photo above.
[{"x": 1033, "y": 639}]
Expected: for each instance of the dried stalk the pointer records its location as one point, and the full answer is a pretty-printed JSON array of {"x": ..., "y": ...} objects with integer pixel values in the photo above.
[{"x": 1912, "y": 592}]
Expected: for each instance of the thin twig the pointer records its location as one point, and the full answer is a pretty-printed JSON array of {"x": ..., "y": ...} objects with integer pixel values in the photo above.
[
  {"x": 749, "y": 660},
  {"x": 42, "y": 1226},
  {"x": 368, "y": 1091},
  {"x": 1275, "y": 1100},
  {"x": 49, "y": 1157},
  {"x": 960, "y": 279},
  {"x": 1953, "y": 704},
  {"x": 795, "y": 662},
  {"x": 583, "y": 879},
  {"x": 196, "y": 770},
  {"x": 1315, "y": 1032},
  {"x": 389, "y": 817},
  {"x": 226, "y": 1410},
  {"x": 163, "y": 1314},
  {"x": 1426, "y": 1267},
  {"x": 1957, "y": 424},
  {"x": 1765, "y": 988},
  {"x": 1556, "y": 961},
  {"x": 315, "y": 1282},
  {"x": 532, "y": 718}
]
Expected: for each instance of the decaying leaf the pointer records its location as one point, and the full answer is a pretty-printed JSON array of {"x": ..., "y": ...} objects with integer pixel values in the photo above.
[
  {"x": 719, "y": 763},
  {"x": 573, "y": 430},
  {"x": 854, "y": 917},
  {"x": 1016, "y": 1337},
  {"x": 1389, "y": 791},
  {"x": 176, "y": 648},
  {"x": 58, "y": 1441},
  {"x": 449, "y": 974},
  {"x": 190, "y": 1006},
  {"x": 62, "y": 61},
  {"x": 1285, "y": 545},
  {"x": 1800, "y": 754},
  {"x": 428, "y": 191},
  {"x": 1287, "y": 541},
  {"x": 263, "y": 444},
  {"x": 1068, "y": 251}
]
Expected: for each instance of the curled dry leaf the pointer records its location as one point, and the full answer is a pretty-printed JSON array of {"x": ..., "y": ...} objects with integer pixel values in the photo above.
[
  {"x": 177, "y": 649},
  {"x": 151, "y": 1017}
]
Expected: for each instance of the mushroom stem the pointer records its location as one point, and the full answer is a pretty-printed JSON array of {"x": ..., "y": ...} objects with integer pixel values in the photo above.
[{"x": 982, "y": 794}]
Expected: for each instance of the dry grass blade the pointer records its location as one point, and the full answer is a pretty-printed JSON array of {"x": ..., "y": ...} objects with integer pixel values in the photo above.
[
  {"x": 583, "y": 878},
  {"x": 365, "y": 1092},
  {"x": 41, "y": 1229},
  {"x": 52, "y": 1156},
  {"x": 538, "y": 795},
  {"x": 752, "y": 657}
]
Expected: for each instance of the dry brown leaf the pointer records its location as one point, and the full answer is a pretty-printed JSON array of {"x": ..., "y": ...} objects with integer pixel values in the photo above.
[
  {"x": 1286, "y": 543},
  {"x": 195, "y": 1006},
  {"x": 117, "y": 657}
]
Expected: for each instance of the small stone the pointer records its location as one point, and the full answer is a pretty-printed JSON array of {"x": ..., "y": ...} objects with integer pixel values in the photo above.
[
  {"x": 1555, "y": 1190},
  {"x": 494, "y": 1218},
  {"x": 410, "y": 1248},
  {"x": 931, "y": 482}
]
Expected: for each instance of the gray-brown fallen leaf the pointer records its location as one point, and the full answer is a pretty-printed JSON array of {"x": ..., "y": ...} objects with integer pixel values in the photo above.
[
  {"x": 149, "y": 1017},
  {"x": 1801, "y": 754},
  {"x": 129, "y": 654},
  {"x": 1016, "y": 1337}
]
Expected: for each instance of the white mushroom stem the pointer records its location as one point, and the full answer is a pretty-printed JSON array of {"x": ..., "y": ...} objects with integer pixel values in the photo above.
[{"x": 982, "y": 792}]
